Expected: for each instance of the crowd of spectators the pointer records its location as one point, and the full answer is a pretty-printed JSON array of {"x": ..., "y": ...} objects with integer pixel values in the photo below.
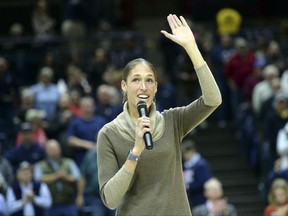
[
  {"x": 204, "y": 190},
  {"x": 55, "y": 97}
]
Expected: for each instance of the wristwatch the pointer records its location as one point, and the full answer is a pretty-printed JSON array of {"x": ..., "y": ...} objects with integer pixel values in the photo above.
[{"x": 133, "y": 157}]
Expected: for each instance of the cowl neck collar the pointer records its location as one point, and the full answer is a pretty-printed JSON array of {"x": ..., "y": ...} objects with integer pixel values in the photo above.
[{"x": 126, "y": 125}]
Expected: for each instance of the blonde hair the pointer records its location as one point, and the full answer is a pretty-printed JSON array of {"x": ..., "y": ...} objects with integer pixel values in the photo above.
[{"x": 277, "y": 184}]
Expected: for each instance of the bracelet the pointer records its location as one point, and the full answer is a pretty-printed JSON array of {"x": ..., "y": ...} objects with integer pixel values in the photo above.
[{"x": 133, "y": 157}]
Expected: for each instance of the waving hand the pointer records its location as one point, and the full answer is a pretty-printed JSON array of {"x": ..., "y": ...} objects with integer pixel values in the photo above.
[{"x": 181, "y": 32}]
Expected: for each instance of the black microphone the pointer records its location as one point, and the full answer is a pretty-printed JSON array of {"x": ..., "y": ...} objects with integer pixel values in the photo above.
[{"x": 142, "y": 110}]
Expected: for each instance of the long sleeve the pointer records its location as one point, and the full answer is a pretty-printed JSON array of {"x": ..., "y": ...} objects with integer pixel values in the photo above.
[
  {"x": 44, "y": 199},
  {"x": 112, "y": 192},
  {"x": 209, "y": 87},
  {"x": 13, "y": 204}
]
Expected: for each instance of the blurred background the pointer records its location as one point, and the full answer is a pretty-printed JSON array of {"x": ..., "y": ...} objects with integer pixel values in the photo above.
[{"x": 79, "y": 48}]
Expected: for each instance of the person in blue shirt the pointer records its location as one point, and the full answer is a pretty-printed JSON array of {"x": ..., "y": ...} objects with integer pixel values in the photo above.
[
  {"x": 196, "y": 172},
  {"x": 46, "y": 93},
  {"x": 82, "y": 131}
]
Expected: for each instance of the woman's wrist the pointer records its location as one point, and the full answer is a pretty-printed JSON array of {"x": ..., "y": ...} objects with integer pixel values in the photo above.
[
  {"x": 195, "y": 55},
  {"x": 136, "y": 151}
]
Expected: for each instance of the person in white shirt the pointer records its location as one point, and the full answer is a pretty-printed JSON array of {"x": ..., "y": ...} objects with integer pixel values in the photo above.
[
  {"x": 263, "y": 90},
  {"x": 27, "y": 197}
]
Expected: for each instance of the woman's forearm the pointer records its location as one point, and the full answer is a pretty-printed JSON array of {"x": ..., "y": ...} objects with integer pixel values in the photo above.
[
  {"x": 116, "y": 187},
  {"x": 209, "y": 87},
  {"x": 194, "y": 54}
]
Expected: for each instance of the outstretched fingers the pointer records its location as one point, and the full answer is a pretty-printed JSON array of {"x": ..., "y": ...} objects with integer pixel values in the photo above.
[
  {"x": 184, "y": 23},
  {"x": 178, "y": 26},
  {"x": 171, "y": 22},
  {"x": 177, "y": 20}
]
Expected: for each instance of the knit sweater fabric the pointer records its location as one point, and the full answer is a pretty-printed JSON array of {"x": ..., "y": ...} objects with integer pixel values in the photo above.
[{"x": 156, "y": 187}]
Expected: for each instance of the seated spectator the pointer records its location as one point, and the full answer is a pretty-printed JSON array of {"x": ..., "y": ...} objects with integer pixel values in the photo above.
[
  {"x": 28, "y": 151},
  {"x": 263, "y": 90},
  {"x": 36, "y": 119},
  {"x": 61, "y": 175},
  {"x": 77, "y": 79},
  {"x": 239, "y": 67},
  {"x": 275, "y": 55},
  {"x": 278, "y": 199},
  {"x": 82, "y": 131},
  {"x": 26, "y": 103},
  {"x": 268, "y": 104},
  {"x": 58, "y": 124},
  {"x": 196, "y": 172},
  {"x": 88, "y": 197},
  {"x": 275, "y": 119},
  {"x": 46, "y": 94},
  {"x": 27, "y": 197},
  {"x": 75, "y": 97},
  {"x": 216, "y": 204},
  {"x": 104, "y": 104},
  {"x": 275, "y": 173}
]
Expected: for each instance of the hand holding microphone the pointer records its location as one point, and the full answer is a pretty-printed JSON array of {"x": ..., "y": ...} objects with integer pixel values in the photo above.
[{"x": 142, "y": 110}]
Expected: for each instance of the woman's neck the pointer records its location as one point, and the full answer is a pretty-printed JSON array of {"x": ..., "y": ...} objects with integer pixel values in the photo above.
[{"x": 133, "y": 113}]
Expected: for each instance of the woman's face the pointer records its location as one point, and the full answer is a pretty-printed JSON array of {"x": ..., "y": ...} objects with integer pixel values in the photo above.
[
  {"x": 280, "y": 196},
  {"x": 140, "y": 85}
]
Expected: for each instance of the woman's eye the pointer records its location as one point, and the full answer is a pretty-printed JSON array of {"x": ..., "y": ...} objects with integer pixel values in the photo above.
[{"x": 135, "y": 80}]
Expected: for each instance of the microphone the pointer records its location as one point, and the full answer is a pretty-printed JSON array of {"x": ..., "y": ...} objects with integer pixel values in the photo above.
[{"x": 142, "y": 110}]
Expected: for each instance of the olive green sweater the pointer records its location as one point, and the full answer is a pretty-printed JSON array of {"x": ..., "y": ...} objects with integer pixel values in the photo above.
[{"x": 156, "y": 187}]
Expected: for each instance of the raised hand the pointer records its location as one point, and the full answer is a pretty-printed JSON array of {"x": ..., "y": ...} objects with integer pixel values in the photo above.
[{"x": 181, "y": 32}]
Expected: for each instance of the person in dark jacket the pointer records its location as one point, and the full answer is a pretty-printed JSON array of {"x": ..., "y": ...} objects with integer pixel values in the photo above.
[
  {"x": 28, "y": 151},
  {"x": 196, "y": 172},
  {"x": 27, "y": 197}
]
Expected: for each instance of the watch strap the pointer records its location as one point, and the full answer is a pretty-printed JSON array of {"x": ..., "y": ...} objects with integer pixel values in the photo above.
[{"x": 133, "y": 157}]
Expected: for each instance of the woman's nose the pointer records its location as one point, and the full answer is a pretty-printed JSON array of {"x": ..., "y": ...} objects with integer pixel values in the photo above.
[{"x": 143, "y": 85}]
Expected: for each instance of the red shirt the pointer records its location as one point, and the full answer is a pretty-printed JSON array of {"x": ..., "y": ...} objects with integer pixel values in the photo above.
[
  {"x": 75, "y": 109},
  {"x": 270, "y": 209},
  {"x": 238, "y": 68},
  {"x": 39, "y": 137}
]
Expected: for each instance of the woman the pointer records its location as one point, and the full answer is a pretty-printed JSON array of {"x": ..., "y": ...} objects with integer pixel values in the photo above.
[
  {"x": 153, "y": 184},
  {"x": 278, "y": 199}
]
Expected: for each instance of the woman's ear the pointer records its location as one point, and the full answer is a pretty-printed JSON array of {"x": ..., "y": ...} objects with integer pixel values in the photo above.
[{"x": 123, "y": 86}]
